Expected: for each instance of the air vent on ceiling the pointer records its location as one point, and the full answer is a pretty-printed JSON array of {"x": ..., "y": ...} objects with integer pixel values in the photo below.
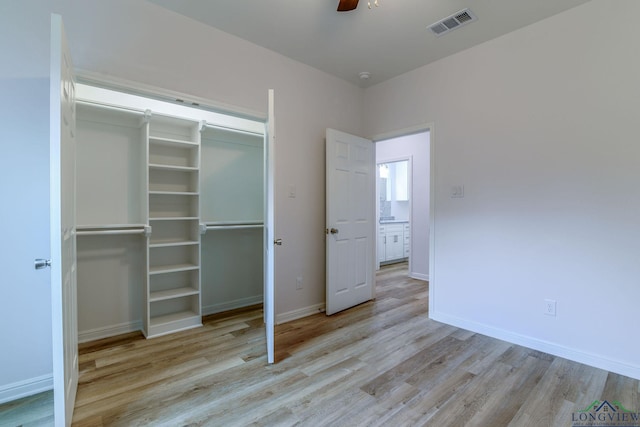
[{"x": 452, "y": 22}]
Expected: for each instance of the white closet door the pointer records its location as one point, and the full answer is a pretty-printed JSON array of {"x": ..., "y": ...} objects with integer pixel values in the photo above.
[
  {"x": 269, "y": 235},
  {"x": 63, "y": 231}
]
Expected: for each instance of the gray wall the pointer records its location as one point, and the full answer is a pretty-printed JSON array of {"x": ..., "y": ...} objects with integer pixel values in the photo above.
[{"x": 25, "y": 294}]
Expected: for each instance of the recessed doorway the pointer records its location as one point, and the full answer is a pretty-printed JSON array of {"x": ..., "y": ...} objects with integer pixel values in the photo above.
[{"x": 403, "y": 192}]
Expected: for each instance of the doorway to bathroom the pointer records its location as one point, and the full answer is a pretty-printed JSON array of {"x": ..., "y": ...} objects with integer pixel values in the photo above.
[{"x": 403, "y": 194}]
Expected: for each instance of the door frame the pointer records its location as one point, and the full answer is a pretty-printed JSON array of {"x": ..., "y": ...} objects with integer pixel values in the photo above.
[
  {"x": 427, "y": 126},
  {"x": 233, "y": 117}
]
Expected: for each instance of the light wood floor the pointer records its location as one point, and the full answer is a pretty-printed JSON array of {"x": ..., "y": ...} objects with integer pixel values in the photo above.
[
  {"x": 32, "y": 411},
  {"x": 383, "y": 363}
]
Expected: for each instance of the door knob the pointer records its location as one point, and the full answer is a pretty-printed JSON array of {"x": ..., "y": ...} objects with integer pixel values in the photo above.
[
  {"x": 42, "y": 263},
  {"x": 333, "y": 231},
  {"x": 277, "y": 242}
]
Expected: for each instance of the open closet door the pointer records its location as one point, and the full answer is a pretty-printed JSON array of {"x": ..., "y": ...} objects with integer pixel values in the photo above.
[
  {"x": 350, "y": 199},
  {"x": 269, "y": 235},
  {"x": 63, "y": 232}
]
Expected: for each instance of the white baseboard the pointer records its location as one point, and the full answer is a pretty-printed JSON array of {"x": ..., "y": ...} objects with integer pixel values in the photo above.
[
  {"x": 299, "y": 313},
  {"x": 419, "y": 276},
  {"x": 25, "y": 388},
  {"x": 231, "y": 305},
  {"x": 109, "y": 331},
  {"x": 590, "y": 359}
]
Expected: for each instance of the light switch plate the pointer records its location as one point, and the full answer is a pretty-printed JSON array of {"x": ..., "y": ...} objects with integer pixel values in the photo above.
[{"x": 457, "y": 191}]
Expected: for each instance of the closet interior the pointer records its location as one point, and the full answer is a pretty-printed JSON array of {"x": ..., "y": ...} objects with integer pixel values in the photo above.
[{"x": 170, "y": 211}]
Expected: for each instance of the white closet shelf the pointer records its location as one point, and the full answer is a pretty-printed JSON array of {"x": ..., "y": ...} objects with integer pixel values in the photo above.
[
  {"x": 172, "y": 268},
  {"x": 171, "y": 142},
  {"x": 171, "y": 242},
  {"x": 169, "y": 323},
  {"x": 172, "y": 293},
  {"x": 172, "y": 167}
]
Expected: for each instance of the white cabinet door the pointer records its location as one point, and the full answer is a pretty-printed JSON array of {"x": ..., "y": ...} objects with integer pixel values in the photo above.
[
  {"x": 351, "y": 228},
  {"x": 382, "y": 240},
  {"x": 395, "y": 245},
  {"x": 63, "y": 229}
]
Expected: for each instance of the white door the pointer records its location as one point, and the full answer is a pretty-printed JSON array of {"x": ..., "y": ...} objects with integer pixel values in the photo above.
[
  {"x": 351, "y": 228},
  {"x": 269, "y": 235},
  {"x": 63, "y": 232}
]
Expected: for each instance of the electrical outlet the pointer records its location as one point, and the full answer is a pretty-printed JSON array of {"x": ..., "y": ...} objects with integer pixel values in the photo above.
[
  {"x": 299, "y": 282},
  {"x": 550, "y": 307}
]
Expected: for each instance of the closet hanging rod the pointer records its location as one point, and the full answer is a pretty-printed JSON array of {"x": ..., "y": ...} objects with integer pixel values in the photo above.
[
  {"x": 111, "y": 227},
  {"x": 230, "y": 225},
  {"x": 227, "y": 223},
  {"x": 233, "y": 227},
  {"x": 103, "y": 232},
  {"x": 115, "y": 229}
]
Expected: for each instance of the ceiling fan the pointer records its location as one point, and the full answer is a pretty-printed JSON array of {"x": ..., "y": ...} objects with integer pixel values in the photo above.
[{"x": 347, "y": 5}]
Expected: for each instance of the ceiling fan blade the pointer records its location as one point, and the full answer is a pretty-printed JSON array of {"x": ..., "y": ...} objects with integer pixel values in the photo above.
[{"x": 346, "y": 5}]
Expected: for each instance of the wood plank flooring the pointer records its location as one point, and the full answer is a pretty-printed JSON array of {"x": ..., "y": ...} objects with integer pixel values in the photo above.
[
  {"x": 32, "y": 411},
  {"x": 383, "y": 363}
]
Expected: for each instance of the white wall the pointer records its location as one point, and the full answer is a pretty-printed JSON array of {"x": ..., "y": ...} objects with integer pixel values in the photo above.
[
  {"x": 25, "y": 294},
  {"x": 415, "y": 146},
  {"x": 141, "y": 42},
  {"x": 540, "y": 126}
]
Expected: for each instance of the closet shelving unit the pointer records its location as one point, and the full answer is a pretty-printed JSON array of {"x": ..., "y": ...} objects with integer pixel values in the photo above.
[
  {"x": 173, "y": 286},
  {"x": 152, "y": 178}
]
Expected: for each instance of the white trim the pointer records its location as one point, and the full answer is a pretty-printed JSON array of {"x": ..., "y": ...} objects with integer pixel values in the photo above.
[
  {"x": 432, "y": 219},
  {"x": 590, "y": 359},
  {"x": 109, "y": 331},
  {"x": 25, "y": 388},
  {"x": 419, "y": 128},
  {"x": 231, "y": 305},
  {"x": 419, "y": 276},
  {"x": 299, "y": 313},
  {"x": 119, "y": 84}
]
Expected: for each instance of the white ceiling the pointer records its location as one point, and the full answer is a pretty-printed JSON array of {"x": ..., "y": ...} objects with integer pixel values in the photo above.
[{"x": 385, "y": 41}]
